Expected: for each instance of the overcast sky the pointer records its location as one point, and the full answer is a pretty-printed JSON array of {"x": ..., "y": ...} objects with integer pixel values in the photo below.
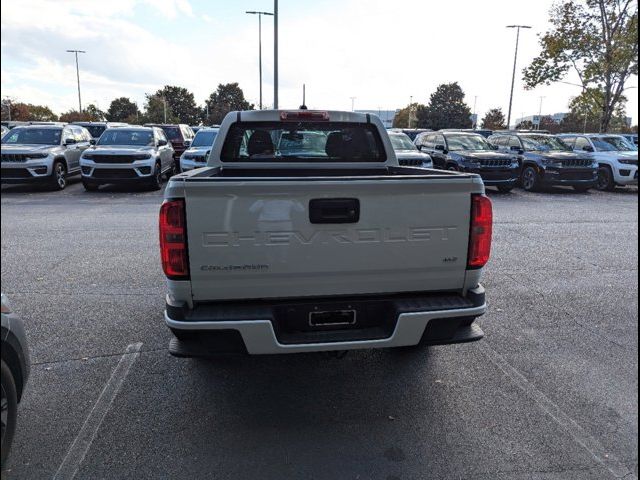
[{"x": 381, "y": 52}]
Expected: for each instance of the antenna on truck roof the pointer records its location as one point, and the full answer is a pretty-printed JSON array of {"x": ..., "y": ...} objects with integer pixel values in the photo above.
[{"x": 304, "y": 95}]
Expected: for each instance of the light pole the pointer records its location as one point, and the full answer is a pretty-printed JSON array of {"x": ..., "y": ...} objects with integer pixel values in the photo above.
[
  {"x": 475, "y": 120},
  {"x": 540, "y": 112},
  {"x": 353, "y": 100},
  {"x": 260, "y": 14},
  {"x": 275, "y": 54},
  {"x": 513, "y": 77},
  {"x": 410, "y": 111},
  {"x": 76, "y": 52}
]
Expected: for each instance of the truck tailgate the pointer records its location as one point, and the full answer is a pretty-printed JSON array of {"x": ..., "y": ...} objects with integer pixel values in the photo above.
[{"x": 254, "y": 238}]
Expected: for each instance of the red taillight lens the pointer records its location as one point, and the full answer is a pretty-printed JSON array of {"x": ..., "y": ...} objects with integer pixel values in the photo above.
[
  {"x": 173, "y": 240},
  {"x": 481, "y": 230}
]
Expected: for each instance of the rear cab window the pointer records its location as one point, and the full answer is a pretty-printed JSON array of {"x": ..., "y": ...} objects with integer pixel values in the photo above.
[{"x": 303, "y": 142}]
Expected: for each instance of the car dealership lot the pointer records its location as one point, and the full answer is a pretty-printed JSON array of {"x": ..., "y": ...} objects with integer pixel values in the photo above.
[{"x": 551, "y": 392}]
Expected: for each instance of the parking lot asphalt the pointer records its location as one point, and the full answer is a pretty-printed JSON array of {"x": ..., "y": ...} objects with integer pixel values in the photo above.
[{"x": 550, "y": 393}]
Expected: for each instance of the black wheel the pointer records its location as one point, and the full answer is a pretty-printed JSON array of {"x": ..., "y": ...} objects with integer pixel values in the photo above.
[
  {"x": 529, "y": 179},
  {"x": 505, "y": 188},
  {"x": 452, "y": 168},
  {"x": 581, "y": 189},
  {"x": 9, "y": 409},
  {"x": 59, "y": 175},
  {"x": 605, "y": 179},
  {"x": 89, "y": 186},
  {"x": 155, "y": 182}
]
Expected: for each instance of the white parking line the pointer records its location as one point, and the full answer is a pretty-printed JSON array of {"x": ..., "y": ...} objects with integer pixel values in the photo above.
[
  {"x": 586, "y": 441},
  {"x": 80, "y": 446}
]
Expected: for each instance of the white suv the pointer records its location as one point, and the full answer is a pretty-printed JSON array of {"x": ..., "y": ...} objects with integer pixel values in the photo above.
[{"x": 618, "y": 159}]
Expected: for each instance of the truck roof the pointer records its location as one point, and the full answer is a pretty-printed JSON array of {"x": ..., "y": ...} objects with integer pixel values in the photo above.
[{"x": 275, "y": 115}]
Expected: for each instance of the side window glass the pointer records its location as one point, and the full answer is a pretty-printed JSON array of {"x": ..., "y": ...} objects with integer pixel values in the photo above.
[
  {"x": 582, "y": 142},
  {"x": 571, "y": 141},
  {"x": 67, "y": 134},
  {"x": 514, "y": 142}
]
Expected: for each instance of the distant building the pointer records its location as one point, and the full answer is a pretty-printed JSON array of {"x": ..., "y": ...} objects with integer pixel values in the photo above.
[{"x": 386, "y": 116}]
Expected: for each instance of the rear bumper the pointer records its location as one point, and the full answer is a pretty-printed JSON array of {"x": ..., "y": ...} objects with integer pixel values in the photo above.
[{"x": 439, "y": 320}]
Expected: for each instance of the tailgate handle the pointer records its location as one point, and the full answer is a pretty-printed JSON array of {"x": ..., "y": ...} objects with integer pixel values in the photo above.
[{"x": 334, "y": 210}]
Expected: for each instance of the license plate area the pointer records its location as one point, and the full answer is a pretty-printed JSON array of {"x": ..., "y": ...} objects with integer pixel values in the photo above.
[{"x": 332, "y": 318}]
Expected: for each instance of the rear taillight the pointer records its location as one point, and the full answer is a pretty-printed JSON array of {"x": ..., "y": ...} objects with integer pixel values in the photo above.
[
  {"x": 481, "y": 230},
  {"x": 173, "y": 240}
]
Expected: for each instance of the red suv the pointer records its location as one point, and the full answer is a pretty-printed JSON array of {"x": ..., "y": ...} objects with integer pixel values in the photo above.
[{"x": 180, "y": 136}]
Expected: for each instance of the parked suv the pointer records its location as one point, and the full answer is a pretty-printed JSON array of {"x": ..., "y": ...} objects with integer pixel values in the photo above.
[
  {"x": 407, "y": 153},
  {"x": 616, "y": 157},
  {"x": 180, "y": 136},
  {"x": 128, "y": 155},
  {"x": 470, "y": 152},
  {"x": 547, "y": 160},
  {"x": 97, "y": 128},
  {"x": 43, "y": 153},
  {"x": 196, "y": 155}
]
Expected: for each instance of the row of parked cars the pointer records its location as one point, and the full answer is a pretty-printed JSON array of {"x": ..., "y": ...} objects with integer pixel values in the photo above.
[
  {"x": 101, "y": 152},
  {"x": 532, "y": 159},
  {"x": 107, "y": 153}
]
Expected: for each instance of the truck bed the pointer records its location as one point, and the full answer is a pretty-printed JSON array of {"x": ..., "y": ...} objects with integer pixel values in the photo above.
[{"x": 258, "y": 233}]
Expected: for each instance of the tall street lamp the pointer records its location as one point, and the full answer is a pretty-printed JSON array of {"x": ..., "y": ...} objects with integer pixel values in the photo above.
[
  {"x": 260, "y": 14},
  {"x": 76, "y": 52},
  {"x": 540, "y": 112},
  {"x": 513, "y": 77},
  {"x": 275, "y": 54}
]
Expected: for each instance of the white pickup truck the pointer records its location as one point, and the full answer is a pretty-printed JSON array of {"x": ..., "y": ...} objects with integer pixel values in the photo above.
[{"x": 328, "y": 246}]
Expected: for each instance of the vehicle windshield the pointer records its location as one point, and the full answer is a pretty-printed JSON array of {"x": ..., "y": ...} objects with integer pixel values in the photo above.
[
  {"x": 546, "y": 143},
  {"x": 204, "y": 138},
  {"x": 612, "y": 144},
  {"x": 303, "y": 142},
  {"x": 121, "y": 136},
  {"x": 174, "y": 134},
  {"x": 459, "y": 143},
  {"x": 33, "y": 136},
  {"x": 401, "y": 142},
  {"x": 95, "y": 130}
]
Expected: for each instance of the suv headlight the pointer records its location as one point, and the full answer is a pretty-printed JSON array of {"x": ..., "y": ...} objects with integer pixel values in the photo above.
[
  {"x": 141, "y": 156},
  {"x": 628, "y": 161},
  {"x": 87, "y": 156},
  {"x": 550, "y": 162}
]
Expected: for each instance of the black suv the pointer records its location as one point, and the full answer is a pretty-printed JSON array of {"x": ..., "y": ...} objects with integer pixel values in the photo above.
[
  {"x": 470, "y": 152},
  {"x": 547, "y": 160},
  {"x": 180, "y": 136}
]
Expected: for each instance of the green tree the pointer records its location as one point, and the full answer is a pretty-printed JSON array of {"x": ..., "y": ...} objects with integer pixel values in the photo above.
[
  {"x": 26, "y": 111},
  {"x": 94, "y": 113},
  {"x": 227, "y": 98},
  {"x": 75, "y": 116},
  {"x": 122, "y": 109},
  {"x": 548, "y": 123},
  {"x": 494, "y": 120},
  {"x": 595, "y": 39},
  {"x": 585, "y": 114},
  {"x": 181, "y": 103},
  {"x": 525, "y": 125},
  {"x": 446, "y": 109},
  {"x": 401, "y": 119},
  {"x": 155, "y": 109}
]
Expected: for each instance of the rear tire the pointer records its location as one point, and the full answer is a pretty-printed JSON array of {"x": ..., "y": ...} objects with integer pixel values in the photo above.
[
  {"x": 452, "y": 168},
  {"x": 58, "y": 179},
  {"x": 529, "y": 179},
  {"x": 9, "y": 410},
  {"x": 605, "y": 179}
]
